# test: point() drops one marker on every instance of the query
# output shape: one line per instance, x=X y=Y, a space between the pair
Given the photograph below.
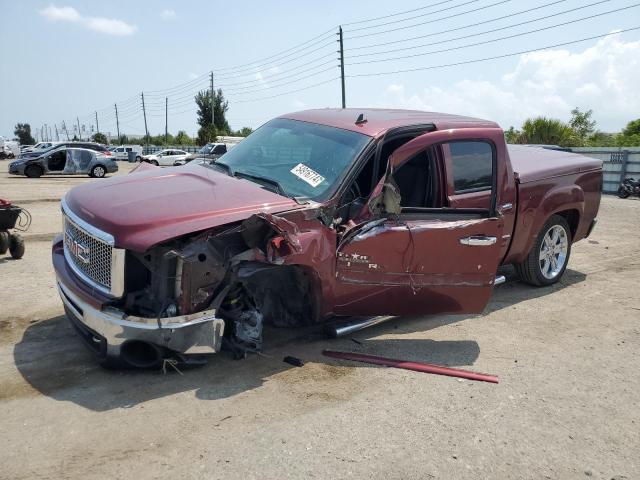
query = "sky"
x=64 y=61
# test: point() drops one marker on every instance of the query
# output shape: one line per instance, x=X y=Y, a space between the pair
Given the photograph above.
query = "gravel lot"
x=566 y=407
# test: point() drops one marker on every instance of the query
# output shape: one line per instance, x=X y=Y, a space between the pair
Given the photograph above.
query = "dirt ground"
x=567 y=405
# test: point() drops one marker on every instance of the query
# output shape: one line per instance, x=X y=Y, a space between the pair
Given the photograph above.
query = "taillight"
x=107 y=153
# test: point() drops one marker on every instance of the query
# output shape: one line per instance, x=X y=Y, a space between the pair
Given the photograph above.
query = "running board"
x=338 y=330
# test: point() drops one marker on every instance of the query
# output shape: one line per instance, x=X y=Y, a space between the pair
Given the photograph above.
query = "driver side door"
x=420 y=259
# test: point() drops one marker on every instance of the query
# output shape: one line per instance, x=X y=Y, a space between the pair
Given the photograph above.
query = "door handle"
x=478 y=241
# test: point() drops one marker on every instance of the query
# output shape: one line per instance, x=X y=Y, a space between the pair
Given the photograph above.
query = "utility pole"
x=64 y=129
x=213 y=102
x=344 y=101
x=97 y=124
x=144 y=113
x=117 y=121
x=79 y=131
x=166 y=119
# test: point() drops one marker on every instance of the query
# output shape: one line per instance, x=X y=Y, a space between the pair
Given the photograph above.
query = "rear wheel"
x=4 y=242
x=98 y=171
x=549 y=254
x=622 y=192
x=16 y=246
x=33 y=171
x=154 y=162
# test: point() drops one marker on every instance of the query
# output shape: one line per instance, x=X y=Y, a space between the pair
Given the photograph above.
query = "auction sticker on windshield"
x=307 y=174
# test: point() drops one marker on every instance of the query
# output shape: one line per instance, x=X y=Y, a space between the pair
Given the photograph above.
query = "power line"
x=414 y=17
x=497 y=57
x=493 y=40
x=287 y=93
x=469 y=35
x=428 y=21
x=396 y=14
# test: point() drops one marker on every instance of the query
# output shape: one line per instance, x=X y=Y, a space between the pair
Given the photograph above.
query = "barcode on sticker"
x=307 y=174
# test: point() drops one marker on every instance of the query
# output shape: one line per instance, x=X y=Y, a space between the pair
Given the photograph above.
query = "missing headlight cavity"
x=240 y=272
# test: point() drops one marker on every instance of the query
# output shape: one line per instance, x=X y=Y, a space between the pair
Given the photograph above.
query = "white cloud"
x=56 y=14
x=168 y=14
x=110 y=26
x=602 y=77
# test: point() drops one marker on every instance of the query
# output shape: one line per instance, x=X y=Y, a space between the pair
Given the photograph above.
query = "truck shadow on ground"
x=55 y=363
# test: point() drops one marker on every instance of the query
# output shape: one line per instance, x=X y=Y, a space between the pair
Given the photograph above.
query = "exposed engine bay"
x=237 y=271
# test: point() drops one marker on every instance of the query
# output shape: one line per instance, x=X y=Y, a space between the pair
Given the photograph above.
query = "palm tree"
x=546 y=131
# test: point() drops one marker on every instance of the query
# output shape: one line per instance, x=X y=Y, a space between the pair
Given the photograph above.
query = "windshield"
x=206 y=149
x=303 y=159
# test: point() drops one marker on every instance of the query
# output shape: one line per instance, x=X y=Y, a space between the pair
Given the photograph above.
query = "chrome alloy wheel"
x=553 y=252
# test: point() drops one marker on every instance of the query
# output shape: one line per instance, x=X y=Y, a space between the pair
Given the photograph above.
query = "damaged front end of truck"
x=199 y=293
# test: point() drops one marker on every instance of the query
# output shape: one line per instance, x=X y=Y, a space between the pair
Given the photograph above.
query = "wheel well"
x=573 y=219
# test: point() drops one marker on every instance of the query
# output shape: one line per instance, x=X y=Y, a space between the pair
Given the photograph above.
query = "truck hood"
x=152 y=206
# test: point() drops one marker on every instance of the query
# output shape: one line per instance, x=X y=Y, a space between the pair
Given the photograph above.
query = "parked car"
x=316 y=214
x=122 y=152
x=165 y=158
x=210 y=150
x=39 y=147
x=65 y=161
x=88 y=145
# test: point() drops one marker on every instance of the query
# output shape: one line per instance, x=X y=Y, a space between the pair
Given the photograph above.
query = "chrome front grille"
x=88 y=254
x=91 y=254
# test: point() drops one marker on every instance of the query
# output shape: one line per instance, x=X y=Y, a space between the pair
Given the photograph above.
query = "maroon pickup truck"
x=315 y=215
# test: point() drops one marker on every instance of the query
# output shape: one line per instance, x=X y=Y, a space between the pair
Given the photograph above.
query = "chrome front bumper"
x=105 y=331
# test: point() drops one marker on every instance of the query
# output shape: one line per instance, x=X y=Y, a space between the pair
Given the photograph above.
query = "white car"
x=165 y=158
x=122 y=152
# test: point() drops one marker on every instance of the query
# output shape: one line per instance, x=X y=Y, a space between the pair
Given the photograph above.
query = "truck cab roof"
x=376 y=121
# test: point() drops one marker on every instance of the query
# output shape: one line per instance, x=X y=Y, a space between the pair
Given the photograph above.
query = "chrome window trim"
x=117 y=255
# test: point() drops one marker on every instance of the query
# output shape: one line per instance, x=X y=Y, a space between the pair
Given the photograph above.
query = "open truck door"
x=414 y=254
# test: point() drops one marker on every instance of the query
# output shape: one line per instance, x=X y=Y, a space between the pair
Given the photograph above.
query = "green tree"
x=207 y=134
x=183 y=139
x=221 y=107
x=99 y=138
x=547 y=131
x=512 y=135
x=244 y=132
x=632 y=128
x=23 y=132
x=582 y=125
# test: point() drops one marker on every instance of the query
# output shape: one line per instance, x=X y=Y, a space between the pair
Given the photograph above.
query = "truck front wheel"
x=549 y=255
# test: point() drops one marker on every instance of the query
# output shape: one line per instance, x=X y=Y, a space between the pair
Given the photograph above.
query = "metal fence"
x=617 y=164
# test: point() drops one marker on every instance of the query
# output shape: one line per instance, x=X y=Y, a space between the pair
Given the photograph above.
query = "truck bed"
x=531 y=164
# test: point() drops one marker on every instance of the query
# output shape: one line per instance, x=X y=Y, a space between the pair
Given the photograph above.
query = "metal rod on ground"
x=415 y=366
x=146 y=130
x=344 y=101
x=117 y=122
x=337 y=330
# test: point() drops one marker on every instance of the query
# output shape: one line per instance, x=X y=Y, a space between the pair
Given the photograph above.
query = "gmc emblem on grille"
x=78 y=250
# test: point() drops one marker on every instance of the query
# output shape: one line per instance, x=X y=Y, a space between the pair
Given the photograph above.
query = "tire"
x=16 y=246
x=622 y=192
x=154 y=162
x=138 y=158
x=33 y=171
x=4 y=242
x=542 y=272
x=98 y=171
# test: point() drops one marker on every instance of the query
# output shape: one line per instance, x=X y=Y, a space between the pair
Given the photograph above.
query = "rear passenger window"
x=472 y=165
